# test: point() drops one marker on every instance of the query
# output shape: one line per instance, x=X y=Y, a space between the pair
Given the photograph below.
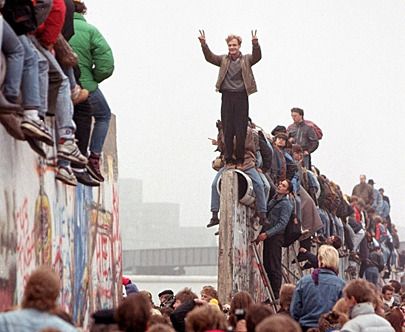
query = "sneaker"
x=93 y=167
x=68 y=150
x=79 y=95
x=65 y=175
x=36 y=146
x=84 y=177
x=36 y=128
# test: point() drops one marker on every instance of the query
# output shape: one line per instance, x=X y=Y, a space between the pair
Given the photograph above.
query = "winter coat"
x=364 y=319
x=27 y=320
x=48 y=32
x=223 y=61
x=178 y=316
x=310 y=301
x=280 y=210
x=311 y=219
x=364 y=191
x=96 y=60
x=304 y=135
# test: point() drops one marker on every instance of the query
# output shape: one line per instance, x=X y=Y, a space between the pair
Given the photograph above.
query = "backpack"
x=317 y=130
x=20 y=15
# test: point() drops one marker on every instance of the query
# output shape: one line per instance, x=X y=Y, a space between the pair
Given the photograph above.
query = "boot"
x=93 y=167
x=214 y=220
x=6 y=107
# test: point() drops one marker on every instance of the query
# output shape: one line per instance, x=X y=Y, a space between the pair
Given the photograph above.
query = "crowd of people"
x=288 y=188
x=319 y=302
x=55 y=61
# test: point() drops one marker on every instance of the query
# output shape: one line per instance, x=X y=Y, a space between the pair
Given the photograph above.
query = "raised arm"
x=209 y=56
x=256 y=50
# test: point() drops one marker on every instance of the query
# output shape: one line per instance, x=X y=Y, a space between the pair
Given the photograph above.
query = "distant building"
x=156 y=225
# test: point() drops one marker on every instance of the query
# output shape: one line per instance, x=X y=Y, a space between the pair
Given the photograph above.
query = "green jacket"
x=96 y=60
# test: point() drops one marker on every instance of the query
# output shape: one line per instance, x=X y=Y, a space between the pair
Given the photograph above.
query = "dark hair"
x=361 y=290
x=297 y=110
x=290 y=186
x=134 y=313
x=276 y=323
x=336 y=242
x=80 y=7
x=241 y=300
x=396 y=285
x=257 y=313
x=185 y=295
x=396 y=318
x=387 y=288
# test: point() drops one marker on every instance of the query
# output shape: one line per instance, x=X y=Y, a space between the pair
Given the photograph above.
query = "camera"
x=239 y=314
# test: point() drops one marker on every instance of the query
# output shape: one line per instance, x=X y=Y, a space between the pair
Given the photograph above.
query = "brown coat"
x=246 y=61
x=251 y=146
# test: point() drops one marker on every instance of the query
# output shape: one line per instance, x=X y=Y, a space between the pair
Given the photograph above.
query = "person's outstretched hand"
x=201 y=37
x=255 y=40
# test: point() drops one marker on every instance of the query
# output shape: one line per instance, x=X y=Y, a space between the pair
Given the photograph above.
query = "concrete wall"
x=73 y=229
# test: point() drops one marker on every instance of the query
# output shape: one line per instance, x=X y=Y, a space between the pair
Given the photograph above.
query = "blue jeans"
x=215 y=199
x=325 y=221
x=97 y=106
x=14 y=52
x=258 y=187
x=43 y=68
x=59 y=96
x=30 y=78
x=371 y=274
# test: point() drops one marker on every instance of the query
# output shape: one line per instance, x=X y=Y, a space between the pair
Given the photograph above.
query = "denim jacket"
x=280 y=210
x=28 y=320
x=310 y=301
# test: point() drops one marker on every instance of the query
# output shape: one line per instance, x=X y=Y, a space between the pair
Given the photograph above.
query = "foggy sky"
x=341 y=61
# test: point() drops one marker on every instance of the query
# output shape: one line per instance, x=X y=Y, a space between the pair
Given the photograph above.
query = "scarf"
x=315 y=274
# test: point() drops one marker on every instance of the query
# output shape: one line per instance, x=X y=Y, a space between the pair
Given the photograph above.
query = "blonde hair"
x=328 y=257
x=286 y=294
x=230 y=37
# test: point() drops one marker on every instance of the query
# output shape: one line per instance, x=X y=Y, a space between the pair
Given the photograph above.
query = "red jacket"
x=48 y=32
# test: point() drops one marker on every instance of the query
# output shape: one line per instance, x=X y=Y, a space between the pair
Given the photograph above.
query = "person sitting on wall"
x=248 y=167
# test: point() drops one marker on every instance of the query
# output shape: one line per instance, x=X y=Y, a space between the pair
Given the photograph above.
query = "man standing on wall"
x=302 y=134
x=236 y=82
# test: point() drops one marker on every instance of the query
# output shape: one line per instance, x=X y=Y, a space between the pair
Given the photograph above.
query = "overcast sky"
x=343 y=62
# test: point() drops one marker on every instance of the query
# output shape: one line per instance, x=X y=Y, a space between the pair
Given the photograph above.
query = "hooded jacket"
x=96 y=61
x=363 y=318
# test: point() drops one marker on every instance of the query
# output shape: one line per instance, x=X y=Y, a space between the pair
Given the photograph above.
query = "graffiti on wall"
x=74 y=230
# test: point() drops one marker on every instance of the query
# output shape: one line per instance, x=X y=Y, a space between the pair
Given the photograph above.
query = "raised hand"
x=201 y=37
x=255 y=40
